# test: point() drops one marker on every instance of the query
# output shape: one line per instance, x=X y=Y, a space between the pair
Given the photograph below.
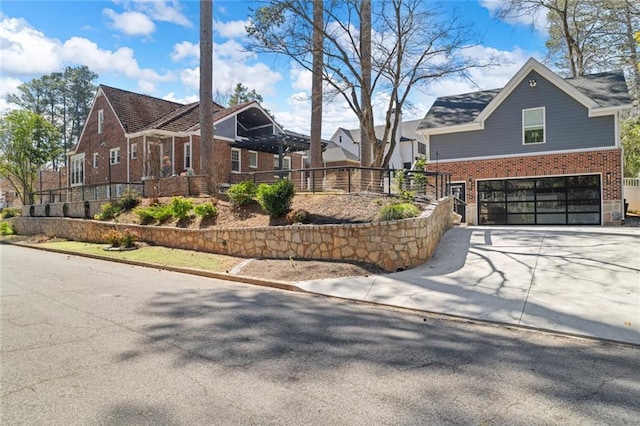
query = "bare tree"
x=286 y=27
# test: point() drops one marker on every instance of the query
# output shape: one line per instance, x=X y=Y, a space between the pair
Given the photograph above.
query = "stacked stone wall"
x=392 y=245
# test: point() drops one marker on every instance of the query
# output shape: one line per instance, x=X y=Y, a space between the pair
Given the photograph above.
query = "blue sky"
x=151 y=46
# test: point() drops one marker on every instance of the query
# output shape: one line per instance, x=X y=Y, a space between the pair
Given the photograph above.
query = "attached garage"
x=561 y=200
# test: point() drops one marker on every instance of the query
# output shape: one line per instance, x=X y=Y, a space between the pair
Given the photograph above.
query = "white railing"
x=631 y=181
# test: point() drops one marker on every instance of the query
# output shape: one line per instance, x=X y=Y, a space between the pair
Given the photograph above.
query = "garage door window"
x=572 y=200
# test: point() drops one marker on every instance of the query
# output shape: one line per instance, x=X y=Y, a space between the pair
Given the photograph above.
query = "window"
x=134 y=151
x=406 y=165
x=114 y=156
x=422 y=148
x=100 y=121
x=286 y=165
x=77 y=169
x=95 y=160
x=235 y=160
x=187 y=155
x=253 y=159
x=533 y=125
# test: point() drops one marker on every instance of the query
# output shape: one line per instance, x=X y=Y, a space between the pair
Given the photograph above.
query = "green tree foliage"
x=630 y=141
x=241 y=94
x=63 y=98
x=27 y=142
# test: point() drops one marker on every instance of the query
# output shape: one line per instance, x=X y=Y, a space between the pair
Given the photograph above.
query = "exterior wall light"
x=532 y=83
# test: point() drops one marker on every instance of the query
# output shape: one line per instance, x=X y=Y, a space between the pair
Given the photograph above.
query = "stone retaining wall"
x=390 y=245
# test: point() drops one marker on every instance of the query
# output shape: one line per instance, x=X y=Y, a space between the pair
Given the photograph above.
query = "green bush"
x=128 y=239
x=112 y=238
x=180 y=207
x=6 y=228
x=108 y=211
x=242 y=193
x=130 y=199
x=276 y=199
x=152 y=214
x=398 y=211
x=10 y=212
x=206 y=210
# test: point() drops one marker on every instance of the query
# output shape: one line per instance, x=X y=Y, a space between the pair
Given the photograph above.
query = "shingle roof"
x=136 y=111
x=332 y=155
x=607 y=89
x=408 y=131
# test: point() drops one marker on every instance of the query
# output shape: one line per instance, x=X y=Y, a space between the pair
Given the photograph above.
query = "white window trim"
x=114 y=160
x=187 y=147
x=100 y=121
x=94 y=161
x=77 y=162
x=544 y=126
x=239 y=160
x=134 y=151
x=253 y=153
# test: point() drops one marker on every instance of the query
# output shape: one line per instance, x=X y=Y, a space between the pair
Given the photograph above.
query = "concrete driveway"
x=583 y=281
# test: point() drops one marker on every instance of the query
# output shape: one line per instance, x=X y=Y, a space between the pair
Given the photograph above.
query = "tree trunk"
x=316 y=91
x=206 y=92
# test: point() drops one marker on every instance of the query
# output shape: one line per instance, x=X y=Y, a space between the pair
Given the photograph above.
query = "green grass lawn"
x=160 y=256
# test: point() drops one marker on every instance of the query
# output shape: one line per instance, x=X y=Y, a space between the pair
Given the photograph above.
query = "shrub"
x=10 y=212
x=65 y=210
x=144 y=214
x=130 y=199
x=128 y=239
x=180 y=207
x=242 y=193
x=276 y=199
x=404 y=194
x=6 y=228
x=47 y=210
x=108 y=211
x=206 y=210
x=120 y=239
x=298 y=216
x=113 y=237
x=398 y=211
x=154 y=213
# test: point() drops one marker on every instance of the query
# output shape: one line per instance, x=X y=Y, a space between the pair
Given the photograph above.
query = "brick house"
x=131 y=138
x=542 y=150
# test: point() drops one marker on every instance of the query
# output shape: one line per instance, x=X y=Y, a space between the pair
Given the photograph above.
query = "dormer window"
x=100 y=121
x=533 y=130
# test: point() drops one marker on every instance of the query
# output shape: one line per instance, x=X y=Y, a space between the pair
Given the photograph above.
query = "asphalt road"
x=90 y=342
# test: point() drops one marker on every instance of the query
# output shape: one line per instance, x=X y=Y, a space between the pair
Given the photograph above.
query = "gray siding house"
x=543 y=150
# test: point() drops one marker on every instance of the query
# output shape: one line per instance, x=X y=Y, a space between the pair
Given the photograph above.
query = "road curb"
x=281 y=285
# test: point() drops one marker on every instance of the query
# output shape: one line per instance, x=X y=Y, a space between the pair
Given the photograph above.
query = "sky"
x=151 y=47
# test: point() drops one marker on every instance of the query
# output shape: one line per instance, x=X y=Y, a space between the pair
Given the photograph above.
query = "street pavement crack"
x=533 y=275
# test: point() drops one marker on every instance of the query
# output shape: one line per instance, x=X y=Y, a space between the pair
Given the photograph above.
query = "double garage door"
x=565 y=200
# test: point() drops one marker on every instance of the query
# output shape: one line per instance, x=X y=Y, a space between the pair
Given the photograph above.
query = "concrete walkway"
x=583 y=281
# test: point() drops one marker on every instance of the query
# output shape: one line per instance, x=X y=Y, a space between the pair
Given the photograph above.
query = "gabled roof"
x=136 y=111
x=408 y=130
x=601 y=94
x=334 y=153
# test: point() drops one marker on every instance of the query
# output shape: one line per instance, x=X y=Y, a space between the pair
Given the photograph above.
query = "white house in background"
x=410 y=146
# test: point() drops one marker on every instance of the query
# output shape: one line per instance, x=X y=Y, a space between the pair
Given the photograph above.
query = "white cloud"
x=130 y=23
x=166 y=11
x=79 y=50
x=301 y=79
x=190 y=78
x=230 y=29
x=185 y=50
x=537 y=19
x=171 y=96
x=26 y=51
x=8 y=85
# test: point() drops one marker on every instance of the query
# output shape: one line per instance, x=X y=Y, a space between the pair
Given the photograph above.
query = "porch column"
x=144 y=156
x=128 y=160
x=173 y=155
